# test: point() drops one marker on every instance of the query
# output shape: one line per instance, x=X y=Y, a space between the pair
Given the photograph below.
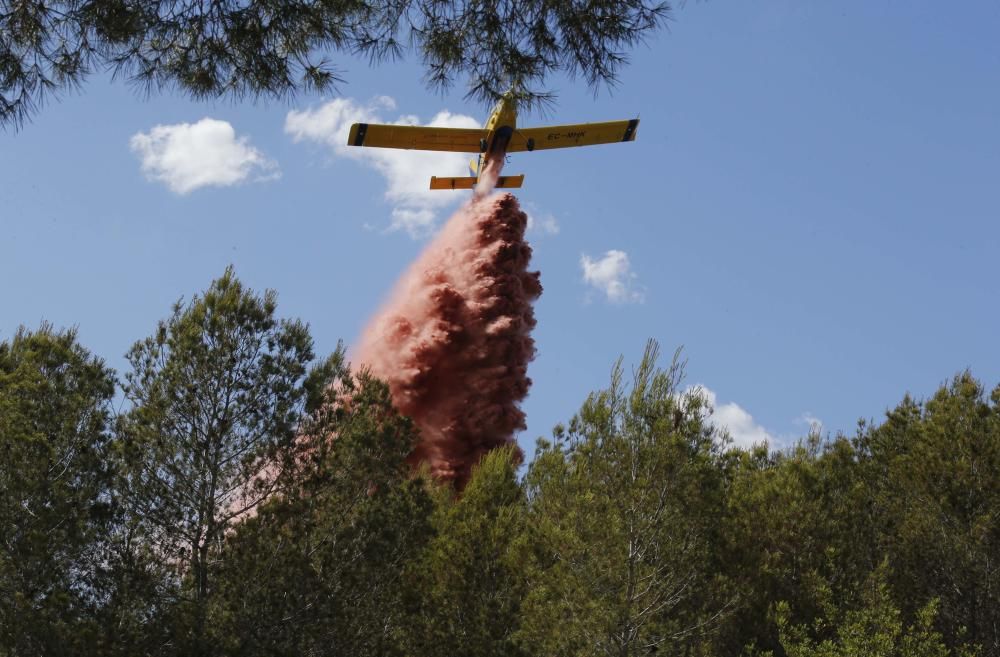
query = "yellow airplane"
x=494 y=140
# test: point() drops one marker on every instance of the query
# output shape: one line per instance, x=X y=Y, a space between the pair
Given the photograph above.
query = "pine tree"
x=795 y=517
x=934 y=469
x=622 y=508
x=318 y=570
x=216 y=394
x=466 y=587
x=874 y=629
x=278 y=47
x=55 y=491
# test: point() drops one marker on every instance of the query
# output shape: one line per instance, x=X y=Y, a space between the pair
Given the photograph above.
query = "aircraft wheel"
x=482 y=145
x=531 y=143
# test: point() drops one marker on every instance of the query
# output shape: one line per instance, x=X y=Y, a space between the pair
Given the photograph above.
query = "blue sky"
x=811 y=208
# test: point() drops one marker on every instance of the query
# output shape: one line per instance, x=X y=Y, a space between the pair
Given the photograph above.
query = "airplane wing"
x=459 y=140
x=566 y=136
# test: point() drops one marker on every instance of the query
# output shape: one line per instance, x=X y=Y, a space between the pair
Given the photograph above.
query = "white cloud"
x=612 y=275
x=407 y=173
x=187 y=156
x=545 y=223
x=733 y=418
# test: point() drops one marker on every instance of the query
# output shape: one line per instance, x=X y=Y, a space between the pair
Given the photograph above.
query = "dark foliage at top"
x=274 y=48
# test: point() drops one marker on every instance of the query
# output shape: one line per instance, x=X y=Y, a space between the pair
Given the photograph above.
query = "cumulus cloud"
x=733 y=418
x=612 y=275
x=407 y=173
x=186 y=156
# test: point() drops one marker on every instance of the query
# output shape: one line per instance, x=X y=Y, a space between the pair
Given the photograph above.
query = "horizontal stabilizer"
x=468 y=182
x=510 y=182
x=463 y=182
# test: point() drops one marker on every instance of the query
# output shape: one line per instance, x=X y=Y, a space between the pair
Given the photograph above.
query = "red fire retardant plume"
x=454 y=341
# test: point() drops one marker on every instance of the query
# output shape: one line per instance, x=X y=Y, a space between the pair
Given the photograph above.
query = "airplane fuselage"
x=501 y=126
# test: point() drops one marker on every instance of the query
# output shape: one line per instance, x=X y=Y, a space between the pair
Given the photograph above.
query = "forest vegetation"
x=234 y=494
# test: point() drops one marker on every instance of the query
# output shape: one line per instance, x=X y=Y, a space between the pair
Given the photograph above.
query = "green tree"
x=622 y=507
x=934 y=469
x=794 y=518
x=467 y=586
x=55 y=504
x=874 y=629
x=137 y=613
x=277 y=47
x=318 y=570
x=216 y=395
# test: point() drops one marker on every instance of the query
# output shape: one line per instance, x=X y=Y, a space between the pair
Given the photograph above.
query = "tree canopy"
x=249 y=498
x=217 y=394
x=274 y=48
x=55 y=482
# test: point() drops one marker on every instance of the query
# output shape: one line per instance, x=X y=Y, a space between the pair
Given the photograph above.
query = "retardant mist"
x=454 y=341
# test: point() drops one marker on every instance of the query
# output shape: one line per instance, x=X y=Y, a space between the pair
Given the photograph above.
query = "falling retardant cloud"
x=733 y=418
x=407 y=173
x=454 y=341
x=186 y=156
x=612 y=275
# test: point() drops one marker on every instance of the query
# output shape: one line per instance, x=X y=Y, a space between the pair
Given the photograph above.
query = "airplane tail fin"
x=468 y=182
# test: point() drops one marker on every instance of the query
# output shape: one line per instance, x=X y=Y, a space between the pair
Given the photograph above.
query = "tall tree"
x=318 y=570
x=278 y=47
x=796 y=518
x=54 y=491
x=467 y=586
x=216 y=394
x=934 y=469
x=623 y=505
